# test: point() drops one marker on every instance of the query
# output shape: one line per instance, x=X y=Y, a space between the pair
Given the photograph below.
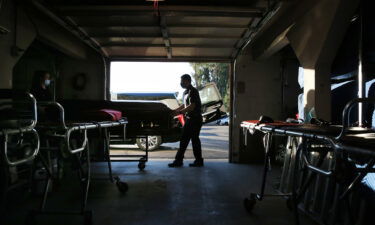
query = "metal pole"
x=361 y=74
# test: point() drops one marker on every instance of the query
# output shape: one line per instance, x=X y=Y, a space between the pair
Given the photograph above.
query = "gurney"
x=69 y=141
x=344 y=144
x=141 y=118
x=268 y=129
x=19 y=140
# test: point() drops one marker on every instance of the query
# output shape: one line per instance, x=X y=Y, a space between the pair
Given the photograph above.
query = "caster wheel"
x=122 y=186
x=30 y=219
x=141 y=166
x=88 y=218
x=249 y=204
x=289 y=204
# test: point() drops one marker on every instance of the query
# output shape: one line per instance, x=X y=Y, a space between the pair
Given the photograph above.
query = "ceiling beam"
x=66 y=24
x=166 y=14
x=124 y=10
x=182 y=36
x=174 y=59
x=255 y=25
x=84 y=34
x=146 y=45
x=246 y=35
x=162 y=8
x=134 y=25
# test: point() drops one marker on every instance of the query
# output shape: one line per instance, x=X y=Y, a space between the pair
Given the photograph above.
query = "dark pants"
x=191 y=132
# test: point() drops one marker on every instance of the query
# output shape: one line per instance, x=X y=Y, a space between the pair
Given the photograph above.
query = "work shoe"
x=197 y=163
x=176 y=164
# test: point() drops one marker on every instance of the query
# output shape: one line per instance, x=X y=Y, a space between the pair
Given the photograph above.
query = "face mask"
x=47 y=82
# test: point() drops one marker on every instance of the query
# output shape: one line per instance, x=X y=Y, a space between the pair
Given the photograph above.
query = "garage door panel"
x=136 y=51
x=122 y=31
x=233 y=32
x=126 y=40
x=204 y=41
x=196 y=52
x=181 y=29
x=96 y=20
x=213 y=21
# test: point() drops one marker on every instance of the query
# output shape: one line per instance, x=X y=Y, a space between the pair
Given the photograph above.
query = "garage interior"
x=299 y=60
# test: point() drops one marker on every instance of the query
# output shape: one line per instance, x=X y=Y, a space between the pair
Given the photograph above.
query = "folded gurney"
x=68 y=140
x=19 y=141
x=343 y=144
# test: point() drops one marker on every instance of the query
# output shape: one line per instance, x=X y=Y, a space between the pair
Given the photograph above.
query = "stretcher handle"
x=67 y=140
x=316 y=169
x=10 y=94
x=346 y=113
x=61 y=111
x=26 y=159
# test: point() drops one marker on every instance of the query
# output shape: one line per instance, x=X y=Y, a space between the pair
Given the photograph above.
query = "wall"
x=94 y=70
x=314 y=30
x=291 y=88
x=258 y=91
x=74 y=56
x=36 y=57
x=21 y=35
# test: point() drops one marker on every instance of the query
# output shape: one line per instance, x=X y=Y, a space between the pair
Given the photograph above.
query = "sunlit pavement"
x=215 y=145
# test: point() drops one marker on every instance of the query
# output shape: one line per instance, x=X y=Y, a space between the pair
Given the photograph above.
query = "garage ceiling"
x=174 y=30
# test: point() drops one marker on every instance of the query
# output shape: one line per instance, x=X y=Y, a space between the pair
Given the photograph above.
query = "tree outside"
x=217 y=73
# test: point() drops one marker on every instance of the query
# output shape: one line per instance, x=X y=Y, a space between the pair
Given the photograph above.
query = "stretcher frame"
x=28 y=128
x=339 y=148
x=5 y=132
x=143 y=132
x=142 y=158
x=250 y=202
x=62 y=131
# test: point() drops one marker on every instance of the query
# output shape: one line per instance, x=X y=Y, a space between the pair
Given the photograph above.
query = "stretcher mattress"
x=101 y=115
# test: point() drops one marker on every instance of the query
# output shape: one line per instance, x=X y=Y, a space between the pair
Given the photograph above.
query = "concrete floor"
x=162 y=195
x=214 y=139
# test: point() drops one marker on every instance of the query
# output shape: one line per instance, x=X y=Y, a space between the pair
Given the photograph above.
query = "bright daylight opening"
x=147 y=77
x=160 y=81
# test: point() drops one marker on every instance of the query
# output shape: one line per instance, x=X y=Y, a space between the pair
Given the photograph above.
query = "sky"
x=155 y=77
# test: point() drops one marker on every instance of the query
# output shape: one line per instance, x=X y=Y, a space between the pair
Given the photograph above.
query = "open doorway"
x=160 y=82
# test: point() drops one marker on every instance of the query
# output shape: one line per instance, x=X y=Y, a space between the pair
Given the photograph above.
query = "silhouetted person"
x=40 y=86
x=40 y=90
x=193 y=124
x=370 y=107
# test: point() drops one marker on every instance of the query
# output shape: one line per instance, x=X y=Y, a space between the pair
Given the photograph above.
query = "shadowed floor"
x=161 y=195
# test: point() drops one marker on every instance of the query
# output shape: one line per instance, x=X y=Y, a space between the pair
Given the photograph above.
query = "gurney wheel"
x=141 y=166
x=88 y=218
x=249 y=204
x=122 y=186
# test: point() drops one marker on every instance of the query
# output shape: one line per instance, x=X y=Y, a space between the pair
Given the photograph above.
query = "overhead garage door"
x=167 y=30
